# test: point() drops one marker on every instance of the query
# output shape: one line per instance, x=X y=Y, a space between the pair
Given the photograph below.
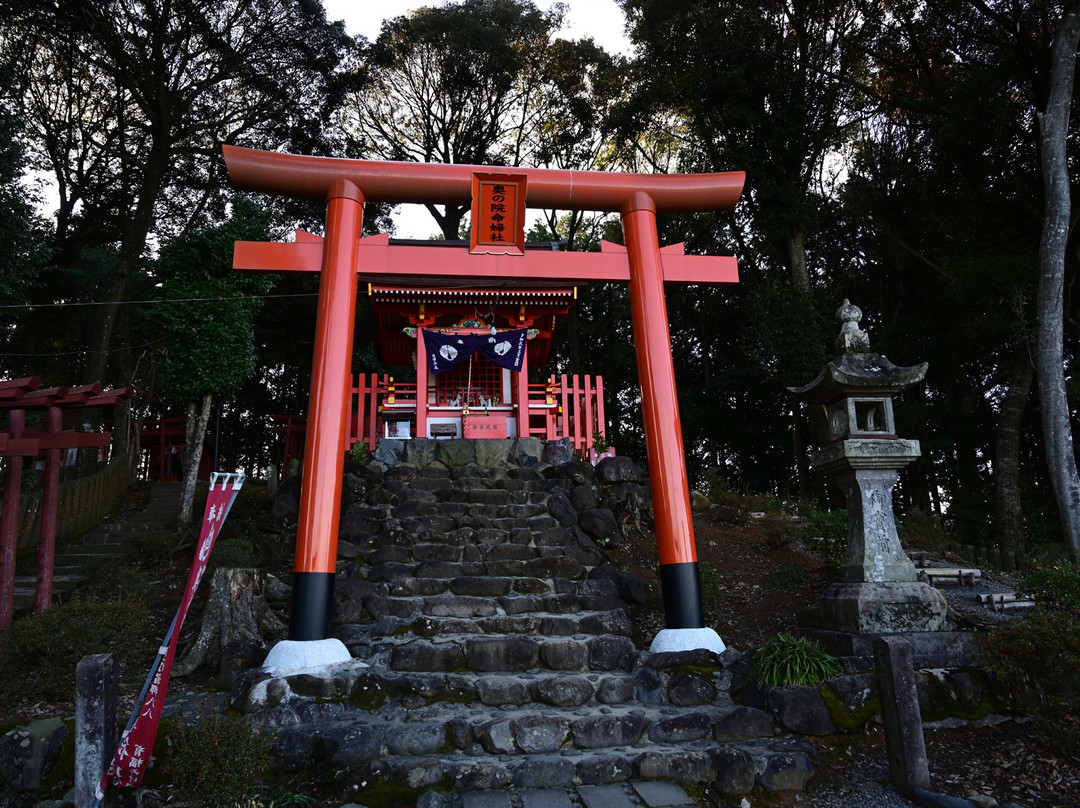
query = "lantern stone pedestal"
x=879 y=592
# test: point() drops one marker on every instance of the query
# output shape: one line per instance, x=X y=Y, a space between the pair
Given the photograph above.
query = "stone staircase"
x=493 y=647
x=109 y=541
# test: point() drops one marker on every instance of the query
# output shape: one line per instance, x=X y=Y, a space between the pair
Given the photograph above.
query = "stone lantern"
x=852 y=408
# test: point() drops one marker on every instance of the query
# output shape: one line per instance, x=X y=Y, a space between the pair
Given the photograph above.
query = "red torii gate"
x=16 y=397
x=344 y=257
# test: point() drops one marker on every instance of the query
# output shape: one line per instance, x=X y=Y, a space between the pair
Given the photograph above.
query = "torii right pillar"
x=684 y=618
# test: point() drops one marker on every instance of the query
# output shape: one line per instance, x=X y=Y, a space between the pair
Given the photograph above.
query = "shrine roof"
x=510 y=293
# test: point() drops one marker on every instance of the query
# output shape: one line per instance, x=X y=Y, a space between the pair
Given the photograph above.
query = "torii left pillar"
x=328 y=410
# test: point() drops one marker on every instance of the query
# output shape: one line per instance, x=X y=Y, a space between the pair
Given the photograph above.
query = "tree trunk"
x=237 y=623
x=1057 y=431
x=449 y=220
x=132 y=244
x=795 y=243
x=194 y=439
x=1009 y=512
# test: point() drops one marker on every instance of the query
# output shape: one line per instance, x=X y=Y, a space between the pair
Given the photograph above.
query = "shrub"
x=1055 y=586
x=777 y=533
x=789 y=660
x=923 y=530
x=360 y=453
x=825 y=534
x=38 y=656
x=233 y=552
x=218 y=762
x=1037 y=659
x=787 y=576
x=154 y=546
x=106 y=579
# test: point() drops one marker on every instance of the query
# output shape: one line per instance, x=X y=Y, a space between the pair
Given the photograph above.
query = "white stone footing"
x=687 y=639
x=294 y=655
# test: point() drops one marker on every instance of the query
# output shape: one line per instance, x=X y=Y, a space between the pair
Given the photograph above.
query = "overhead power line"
x=153 y=302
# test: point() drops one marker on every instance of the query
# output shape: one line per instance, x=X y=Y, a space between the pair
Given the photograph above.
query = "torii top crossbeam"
x=346 y=185
x=441 y=183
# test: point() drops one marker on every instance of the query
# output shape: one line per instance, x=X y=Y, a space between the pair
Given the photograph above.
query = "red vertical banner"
x=498 y=214
x=132 y=756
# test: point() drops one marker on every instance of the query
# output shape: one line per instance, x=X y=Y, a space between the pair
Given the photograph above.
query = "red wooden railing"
x=561 y=407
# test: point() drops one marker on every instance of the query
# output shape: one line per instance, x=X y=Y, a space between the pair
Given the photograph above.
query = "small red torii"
x=343 y=257
x=16 y=397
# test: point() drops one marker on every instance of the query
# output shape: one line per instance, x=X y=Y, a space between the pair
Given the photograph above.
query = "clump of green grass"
x=789 y=660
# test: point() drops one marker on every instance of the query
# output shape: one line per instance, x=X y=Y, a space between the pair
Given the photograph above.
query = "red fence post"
x=9 y=523
x=601 y=418
x=50 y=497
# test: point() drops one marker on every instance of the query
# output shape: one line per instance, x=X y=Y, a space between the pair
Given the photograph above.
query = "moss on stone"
x=845 y=719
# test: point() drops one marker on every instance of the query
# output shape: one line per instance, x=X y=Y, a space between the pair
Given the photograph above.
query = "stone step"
x=109 y=532
x=603 y=709
x=391 y=623
x=500 y=652
x=91 y=553
x=490 y=545
x=27 y=584
x=732 y=769
x=398 y=544
x=553 y=566
x=490 y=724
x=600 y=594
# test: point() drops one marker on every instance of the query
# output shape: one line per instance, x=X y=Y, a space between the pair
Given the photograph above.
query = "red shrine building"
x=473 y=346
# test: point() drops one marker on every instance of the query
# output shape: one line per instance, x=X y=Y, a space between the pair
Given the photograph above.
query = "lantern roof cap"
x=857 y=370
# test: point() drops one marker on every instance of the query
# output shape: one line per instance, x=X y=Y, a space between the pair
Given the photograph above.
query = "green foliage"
x=787 y=576
x=108 y=580
x=283 y=798
x=789 y=660
x=777 y=532
x=38 y=656
x=233 y=552
x=360 y=453
x=1055 y=587
x=923 y=531
x=207 y=328
x=825 y=534
x=154 y=545
x=1037 y=659
x=22 y=248
x=218 y=762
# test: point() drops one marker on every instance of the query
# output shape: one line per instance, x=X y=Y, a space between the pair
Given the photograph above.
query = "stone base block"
x=882 y=608
x=687 y=639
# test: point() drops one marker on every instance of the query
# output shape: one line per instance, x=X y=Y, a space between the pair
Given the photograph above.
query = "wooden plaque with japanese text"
x=498 y=214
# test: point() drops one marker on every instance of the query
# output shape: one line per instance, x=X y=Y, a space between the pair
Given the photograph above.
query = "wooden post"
x=50 y=496
x=908 y=767
x=422 y=387
x=523 y=396
x=9 y=523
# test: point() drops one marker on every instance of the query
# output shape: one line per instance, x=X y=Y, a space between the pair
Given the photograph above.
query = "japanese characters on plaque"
x=498 y=214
